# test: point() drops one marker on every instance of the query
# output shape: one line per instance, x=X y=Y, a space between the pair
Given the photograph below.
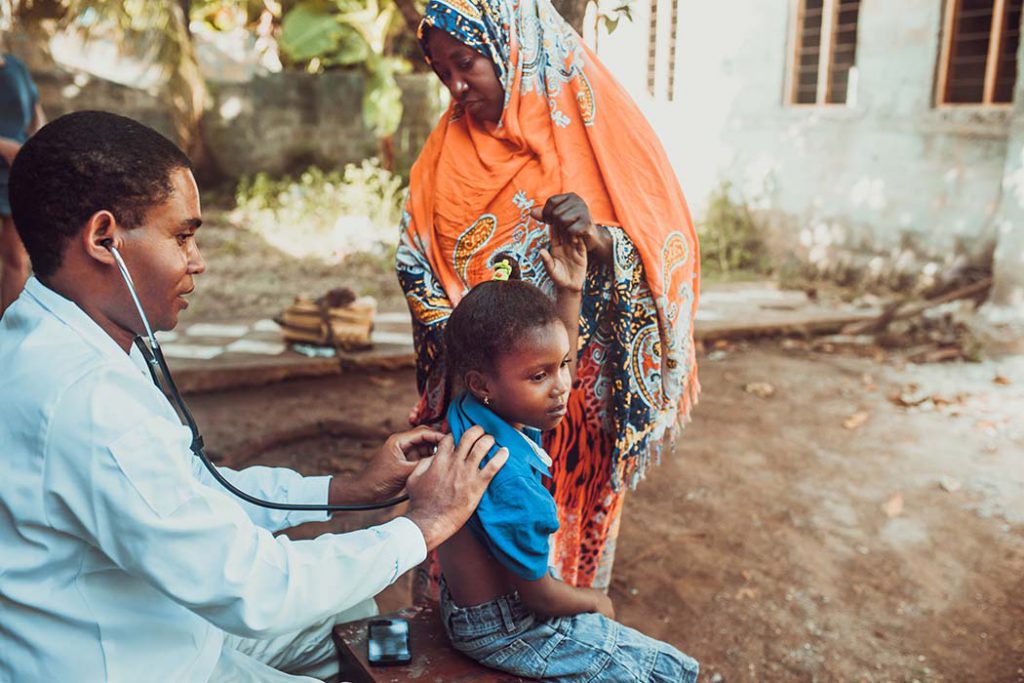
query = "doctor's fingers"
x=418 y=443
x=493 y=465
x=421 y=468
x=473 y=438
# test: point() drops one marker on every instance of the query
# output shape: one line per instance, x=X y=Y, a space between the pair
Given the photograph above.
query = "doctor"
x=122 y=559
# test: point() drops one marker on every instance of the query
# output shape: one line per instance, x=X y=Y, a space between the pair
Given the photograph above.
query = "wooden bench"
x=434 y=660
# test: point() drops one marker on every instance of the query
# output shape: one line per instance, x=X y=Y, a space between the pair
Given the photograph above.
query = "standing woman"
x=540 y=137
x=20 y=117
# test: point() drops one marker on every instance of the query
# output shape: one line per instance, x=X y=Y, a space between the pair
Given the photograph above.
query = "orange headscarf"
x=567 y=126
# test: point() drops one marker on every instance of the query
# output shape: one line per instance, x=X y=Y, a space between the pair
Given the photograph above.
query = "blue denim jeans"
x=503 y=634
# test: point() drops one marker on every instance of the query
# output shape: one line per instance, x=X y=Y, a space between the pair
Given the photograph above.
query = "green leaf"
x=382 y=103
x=309 y=30
x=352 y=48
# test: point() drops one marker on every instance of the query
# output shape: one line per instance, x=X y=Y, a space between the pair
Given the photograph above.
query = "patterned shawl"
x=566 y=126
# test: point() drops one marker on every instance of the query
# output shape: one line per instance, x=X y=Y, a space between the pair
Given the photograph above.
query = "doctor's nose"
x=196 y=262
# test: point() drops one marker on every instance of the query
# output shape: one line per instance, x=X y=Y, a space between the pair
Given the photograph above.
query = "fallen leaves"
x=949 y=484
x=911 y=396
x=856 y=420
x=760 y=389
x=746 y=594
x=894 y=506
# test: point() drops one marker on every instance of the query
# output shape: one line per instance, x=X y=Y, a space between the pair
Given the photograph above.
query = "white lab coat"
x=120 y=558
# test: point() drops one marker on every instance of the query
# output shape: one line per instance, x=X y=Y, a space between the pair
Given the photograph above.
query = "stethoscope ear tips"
x=107 y=243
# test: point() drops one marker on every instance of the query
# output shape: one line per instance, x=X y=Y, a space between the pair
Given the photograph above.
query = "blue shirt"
x=517 y=514
x=18 y=99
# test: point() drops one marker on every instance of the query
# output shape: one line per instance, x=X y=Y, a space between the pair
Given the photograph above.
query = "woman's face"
x=468 y=75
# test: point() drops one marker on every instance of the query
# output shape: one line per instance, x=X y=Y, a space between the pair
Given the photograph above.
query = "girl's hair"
x=489 y=321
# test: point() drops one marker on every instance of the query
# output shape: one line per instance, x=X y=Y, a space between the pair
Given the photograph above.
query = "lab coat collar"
x=69 y=313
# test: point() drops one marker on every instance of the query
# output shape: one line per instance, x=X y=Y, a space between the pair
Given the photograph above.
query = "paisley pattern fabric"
x=567 y=126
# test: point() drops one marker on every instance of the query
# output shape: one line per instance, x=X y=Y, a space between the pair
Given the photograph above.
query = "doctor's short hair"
x=490 y=321
x=82 y=163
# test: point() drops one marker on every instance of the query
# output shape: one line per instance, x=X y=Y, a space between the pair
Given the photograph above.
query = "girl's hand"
x=566 y=261
x=603 y=604
x=569 y=215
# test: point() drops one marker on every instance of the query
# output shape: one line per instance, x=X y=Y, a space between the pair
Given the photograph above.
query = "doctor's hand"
x=445 y=489
x=386 y=473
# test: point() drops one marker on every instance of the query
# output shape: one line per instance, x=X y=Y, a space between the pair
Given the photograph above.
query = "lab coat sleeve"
x=119 y=475
x=278 y=484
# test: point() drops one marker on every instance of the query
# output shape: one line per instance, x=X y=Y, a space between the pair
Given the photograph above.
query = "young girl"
x=511 y=351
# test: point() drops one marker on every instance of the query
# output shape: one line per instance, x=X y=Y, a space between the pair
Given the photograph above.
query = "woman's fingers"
x=569 y=219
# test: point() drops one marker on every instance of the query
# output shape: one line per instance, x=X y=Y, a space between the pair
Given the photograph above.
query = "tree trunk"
x=411 y=14
x=188 y=95
x=572 y=11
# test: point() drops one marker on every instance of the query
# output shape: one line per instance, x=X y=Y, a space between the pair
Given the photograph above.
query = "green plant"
x=611 y=18
x=327 y=215
x=153 y=32
x=730 y=241
x=322 y=33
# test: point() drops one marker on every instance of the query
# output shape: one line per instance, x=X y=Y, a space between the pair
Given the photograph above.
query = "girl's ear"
x=478 y=385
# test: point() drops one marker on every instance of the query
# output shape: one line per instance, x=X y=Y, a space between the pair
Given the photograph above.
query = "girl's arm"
x=567 y=301
x=550 y=597
x=566 y=262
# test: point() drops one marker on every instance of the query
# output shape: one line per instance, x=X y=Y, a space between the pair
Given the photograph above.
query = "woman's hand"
x=569 y=216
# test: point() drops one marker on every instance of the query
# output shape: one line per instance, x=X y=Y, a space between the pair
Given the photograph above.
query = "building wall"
x=273 y=123
x=884 y=186
x=1001 y=322
x=281 y=120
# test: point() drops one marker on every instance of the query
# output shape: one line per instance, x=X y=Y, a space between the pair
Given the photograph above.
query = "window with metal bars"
x=669 y=74
x=978 y=64
x=825 y=51
x=652 y=46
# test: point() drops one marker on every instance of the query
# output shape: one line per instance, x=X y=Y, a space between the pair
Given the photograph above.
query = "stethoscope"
x=156 y=363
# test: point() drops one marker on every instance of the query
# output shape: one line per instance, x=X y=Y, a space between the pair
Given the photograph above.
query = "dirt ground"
x=824 y=517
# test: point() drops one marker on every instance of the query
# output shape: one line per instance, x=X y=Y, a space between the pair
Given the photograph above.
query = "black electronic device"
x=388 y=642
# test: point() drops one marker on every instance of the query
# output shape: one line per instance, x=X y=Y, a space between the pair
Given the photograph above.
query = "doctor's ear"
x=101 y=232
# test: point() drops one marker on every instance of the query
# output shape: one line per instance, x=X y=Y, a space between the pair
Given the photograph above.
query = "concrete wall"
x=272 y=123
x=1001 y=322
x=885 y=186
x=277 y=120
x=62 y=92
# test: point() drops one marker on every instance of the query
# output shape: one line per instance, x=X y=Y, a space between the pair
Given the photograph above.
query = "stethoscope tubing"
x=155 y=359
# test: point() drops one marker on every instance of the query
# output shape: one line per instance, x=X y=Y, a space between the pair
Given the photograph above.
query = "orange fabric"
x=588 y=506
x=584 y=134
x=567 y=126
